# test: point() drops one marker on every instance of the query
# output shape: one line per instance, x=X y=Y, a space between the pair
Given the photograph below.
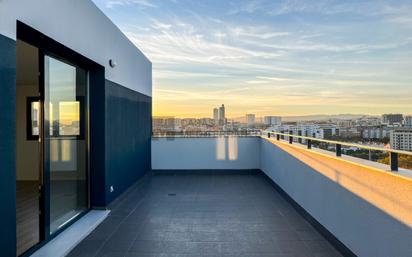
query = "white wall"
x=81 y=26
x=368 y=209
x=206 y=153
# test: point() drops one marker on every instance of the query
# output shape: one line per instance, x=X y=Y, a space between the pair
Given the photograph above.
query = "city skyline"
x=273 y=58
x=214 y=114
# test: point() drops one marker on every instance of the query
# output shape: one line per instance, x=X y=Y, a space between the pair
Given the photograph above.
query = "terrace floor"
x=204 y=215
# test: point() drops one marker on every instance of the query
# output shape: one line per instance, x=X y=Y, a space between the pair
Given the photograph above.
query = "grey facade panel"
x=8 y=146
x=128 y=138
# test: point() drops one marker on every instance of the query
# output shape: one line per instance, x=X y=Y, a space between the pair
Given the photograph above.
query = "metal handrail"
x=393 y=152
x=333 y=142
x=204 y=133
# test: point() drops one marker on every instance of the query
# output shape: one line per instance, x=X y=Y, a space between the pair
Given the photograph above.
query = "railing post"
x=394 y=161
x=338 y=150
x=290 y=139
x=268 y=134
x=309 y=144
x=300 y=139
x=277 y=137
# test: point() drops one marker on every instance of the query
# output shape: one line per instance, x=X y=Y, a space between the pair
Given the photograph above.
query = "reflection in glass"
x=220 y=148
x=233 y=148
x=69 y=118
x=35 y=116
x=65 y=149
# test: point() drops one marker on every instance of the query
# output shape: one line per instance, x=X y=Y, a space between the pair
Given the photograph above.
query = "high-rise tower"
x=222 y=118
x=216 y=115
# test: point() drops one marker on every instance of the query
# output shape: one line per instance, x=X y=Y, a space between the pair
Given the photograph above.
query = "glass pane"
x=65 y=146
x=69 y=120
x=35 y=118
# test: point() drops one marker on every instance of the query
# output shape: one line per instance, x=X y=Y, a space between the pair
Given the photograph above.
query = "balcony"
x=256 y=196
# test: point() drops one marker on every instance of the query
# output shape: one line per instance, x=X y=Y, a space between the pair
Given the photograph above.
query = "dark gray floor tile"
x=147 y=246
x=292 y=246
x=204 y=215
x=111 y=254
x=319 y=247
x=311 y=234
x=86 y=248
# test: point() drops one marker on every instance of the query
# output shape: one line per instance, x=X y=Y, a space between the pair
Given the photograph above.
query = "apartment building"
x=76 y=118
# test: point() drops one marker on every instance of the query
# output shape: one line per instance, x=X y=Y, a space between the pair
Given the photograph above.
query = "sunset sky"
x=280 y=57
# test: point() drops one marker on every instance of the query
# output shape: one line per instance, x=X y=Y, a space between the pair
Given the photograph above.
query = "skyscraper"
x=222 y=118
x=216 y=115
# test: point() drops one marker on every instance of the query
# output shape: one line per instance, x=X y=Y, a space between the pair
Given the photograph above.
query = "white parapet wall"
x=209 y=153
x=368 y=209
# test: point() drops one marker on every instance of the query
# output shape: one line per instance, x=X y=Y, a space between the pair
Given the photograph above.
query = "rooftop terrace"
x=241 y=195
x=204 y=215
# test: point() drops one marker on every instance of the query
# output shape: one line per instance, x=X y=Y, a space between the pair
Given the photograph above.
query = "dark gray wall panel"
x=97 y=90
x=8 y=146
x=128 y=138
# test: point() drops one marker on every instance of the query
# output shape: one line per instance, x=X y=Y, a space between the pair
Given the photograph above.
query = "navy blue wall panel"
x=7 y=146
x=97 y=134
x=128 y=138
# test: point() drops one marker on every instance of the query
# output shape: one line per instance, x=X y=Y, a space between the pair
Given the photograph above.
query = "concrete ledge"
x=73 y=235
x=380 y=167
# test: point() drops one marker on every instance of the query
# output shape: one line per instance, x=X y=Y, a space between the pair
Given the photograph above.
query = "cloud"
x=142 y=3
x=267 y=57
x=402 y=20
x=257 y=32
x=178 y=42
x=160 y=26
x=248 y=7
x=323 y=7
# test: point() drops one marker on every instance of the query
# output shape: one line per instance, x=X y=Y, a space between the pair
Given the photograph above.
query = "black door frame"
x=96 y=94
x=45 y=147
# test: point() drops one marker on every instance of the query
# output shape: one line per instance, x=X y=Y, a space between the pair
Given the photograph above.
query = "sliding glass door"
x=65 y=151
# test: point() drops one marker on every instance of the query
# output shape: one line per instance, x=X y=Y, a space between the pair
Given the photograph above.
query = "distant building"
x=349 y=132
x=216 y=115
x=368 y=121
x=250 y=119
x=378 y=132
x=272 y=120
x=233 y=125
x=222 y=117
x=328 y=132
x=206 y=121
x=166 y=124
x=308 y=130
x=401 y=139
x=190 y=122
x=408 y=121
x=392 y=119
